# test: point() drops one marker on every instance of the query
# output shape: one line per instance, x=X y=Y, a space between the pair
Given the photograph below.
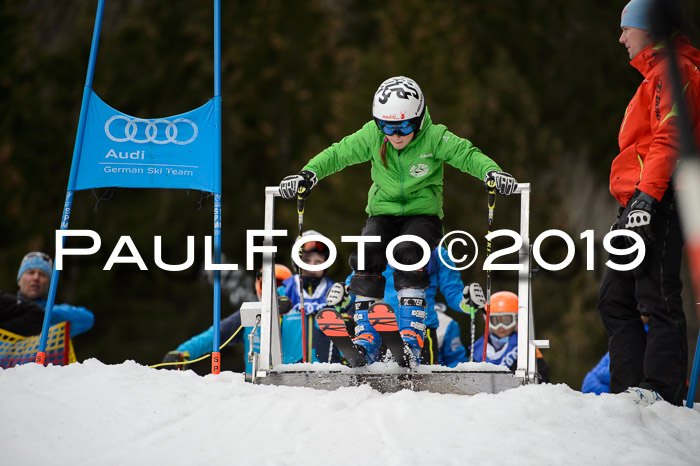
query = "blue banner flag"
x=128 y=152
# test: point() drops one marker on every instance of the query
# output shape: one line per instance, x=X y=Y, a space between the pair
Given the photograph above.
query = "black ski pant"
x=657 y=360
x=368 y=281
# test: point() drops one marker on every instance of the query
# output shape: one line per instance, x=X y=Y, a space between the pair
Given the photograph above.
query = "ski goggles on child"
x=504 y=320
x=403 y=129
x=314 y=246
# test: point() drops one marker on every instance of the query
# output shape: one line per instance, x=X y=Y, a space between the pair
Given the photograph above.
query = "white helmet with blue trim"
x=399 y=99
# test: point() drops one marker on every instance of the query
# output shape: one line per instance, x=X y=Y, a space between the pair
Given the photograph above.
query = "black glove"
x=505 y=183
x=284 y=305
x=176 y=356
x=618 y=242
x=299 y=184
x=337 y=294
x=637 y=216
x=472 y=298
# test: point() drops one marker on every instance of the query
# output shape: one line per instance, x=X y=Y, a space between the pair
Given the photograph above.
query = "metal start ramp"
x=465 y=379
x=389 y=378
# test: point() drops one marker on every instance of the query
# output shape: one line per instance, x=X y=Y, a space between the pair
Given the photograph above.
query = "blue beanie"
x=636 y=14
x=36 y=260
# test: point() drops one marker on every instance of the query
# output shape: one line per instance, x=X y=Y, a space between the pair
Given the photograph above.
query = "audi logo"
x=151 y=130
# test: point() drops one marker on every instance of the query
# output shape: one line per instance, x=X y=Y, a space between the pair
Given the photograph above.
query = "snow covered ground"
x=96 y=414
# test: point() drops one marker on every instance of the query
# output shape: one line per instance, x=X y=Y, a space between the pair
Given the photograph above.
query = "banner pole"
x=41 y=354
x=216 y=355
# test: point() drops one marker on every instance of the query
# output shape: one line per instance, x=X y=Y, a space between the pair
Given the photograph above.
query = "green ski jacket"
x=412 y=184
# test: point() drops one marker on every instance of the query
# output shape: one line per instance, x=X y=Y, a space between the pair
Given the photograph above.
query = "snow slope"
x=96 y=414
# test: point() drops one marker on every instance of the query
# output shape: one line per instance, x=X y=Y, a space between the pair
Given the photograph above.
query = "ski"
x=383 y=319
x=333 y=326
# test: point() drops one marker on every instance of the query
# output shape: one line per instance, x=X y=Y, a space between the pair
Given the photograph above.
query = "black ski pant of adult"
x=368 y=281
x=658 y=360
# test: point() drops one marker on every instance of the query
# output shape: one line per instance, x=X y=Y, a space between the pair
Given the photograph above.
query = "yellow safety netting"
x=16 y=349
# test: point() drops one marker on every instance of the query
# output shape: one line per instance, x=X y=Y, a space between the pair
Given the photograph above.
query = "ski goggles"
x=41 y=255
x=314 y=246
x=504 y=320
x=403 y=129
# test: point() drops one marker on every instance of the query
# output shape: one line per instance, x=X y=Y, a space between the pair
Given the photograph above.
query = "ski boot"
x=412 y=304
x=366 y=339
x=383 y=319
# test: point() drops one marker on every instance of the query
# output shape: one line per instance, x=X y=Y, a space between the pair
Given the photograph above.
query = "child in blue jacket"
x=502 y=345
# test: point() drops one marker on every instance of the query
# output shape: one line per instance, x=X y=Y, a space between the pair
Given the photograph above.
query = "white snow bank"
x=92 y=413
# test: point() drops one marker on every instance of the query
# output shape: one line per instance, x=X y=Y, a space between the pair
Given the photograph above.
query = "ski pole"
x=492 y=203
x=300 y=211
x=685 y=178
x=690 y=399
x=472 y=313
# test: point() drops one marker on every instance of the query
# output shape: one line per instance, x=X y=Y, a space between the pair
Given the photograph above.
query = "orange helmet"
x=281 y=274
x=504 y=311
x=504 y=301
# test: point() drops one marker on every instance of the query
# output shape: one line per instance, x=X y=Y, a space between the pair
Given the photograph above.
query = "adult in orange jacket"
x=653 y=367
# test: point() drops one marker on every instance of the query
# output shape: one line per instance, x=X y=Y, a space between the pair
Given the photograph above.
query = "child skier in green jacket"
x=407 y=152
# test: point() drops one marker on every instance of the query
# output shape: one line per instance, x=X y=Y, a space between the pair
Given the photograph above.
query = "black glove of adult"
x=505 y=183
x=284 y=305
x=337 y=294
x=299 y=184
x=472 y=298
x=176 y=356
x=637 y=216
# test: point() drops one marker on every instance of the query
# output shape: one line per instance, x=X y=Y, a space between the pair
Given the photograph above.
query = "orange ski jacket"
x=649 y=139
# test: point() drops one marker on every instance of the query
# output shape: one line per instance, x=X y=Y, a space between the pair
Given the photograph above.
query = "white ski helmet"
x=399 y=99
x=314 y=246
x=311 y=246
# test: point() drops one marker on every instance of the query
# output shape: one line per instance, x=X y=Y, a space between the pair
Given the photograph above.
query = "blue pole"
x=690 y=399
x=217 y=49
x=216 y=356
x=77 y=148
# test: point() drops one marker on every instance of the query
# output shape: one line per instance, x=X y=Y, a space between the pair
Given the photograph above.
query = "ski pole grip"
x=300 y=205
x=492 y=192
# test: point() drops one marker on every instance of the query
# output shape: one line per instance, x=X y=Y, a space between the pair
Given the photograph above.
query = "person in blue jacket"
x=451 y=350
x=598 y=379
x=201 y=344
x=33 y=280
x=442 y=277
x=315 y=288
x=502 y=346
